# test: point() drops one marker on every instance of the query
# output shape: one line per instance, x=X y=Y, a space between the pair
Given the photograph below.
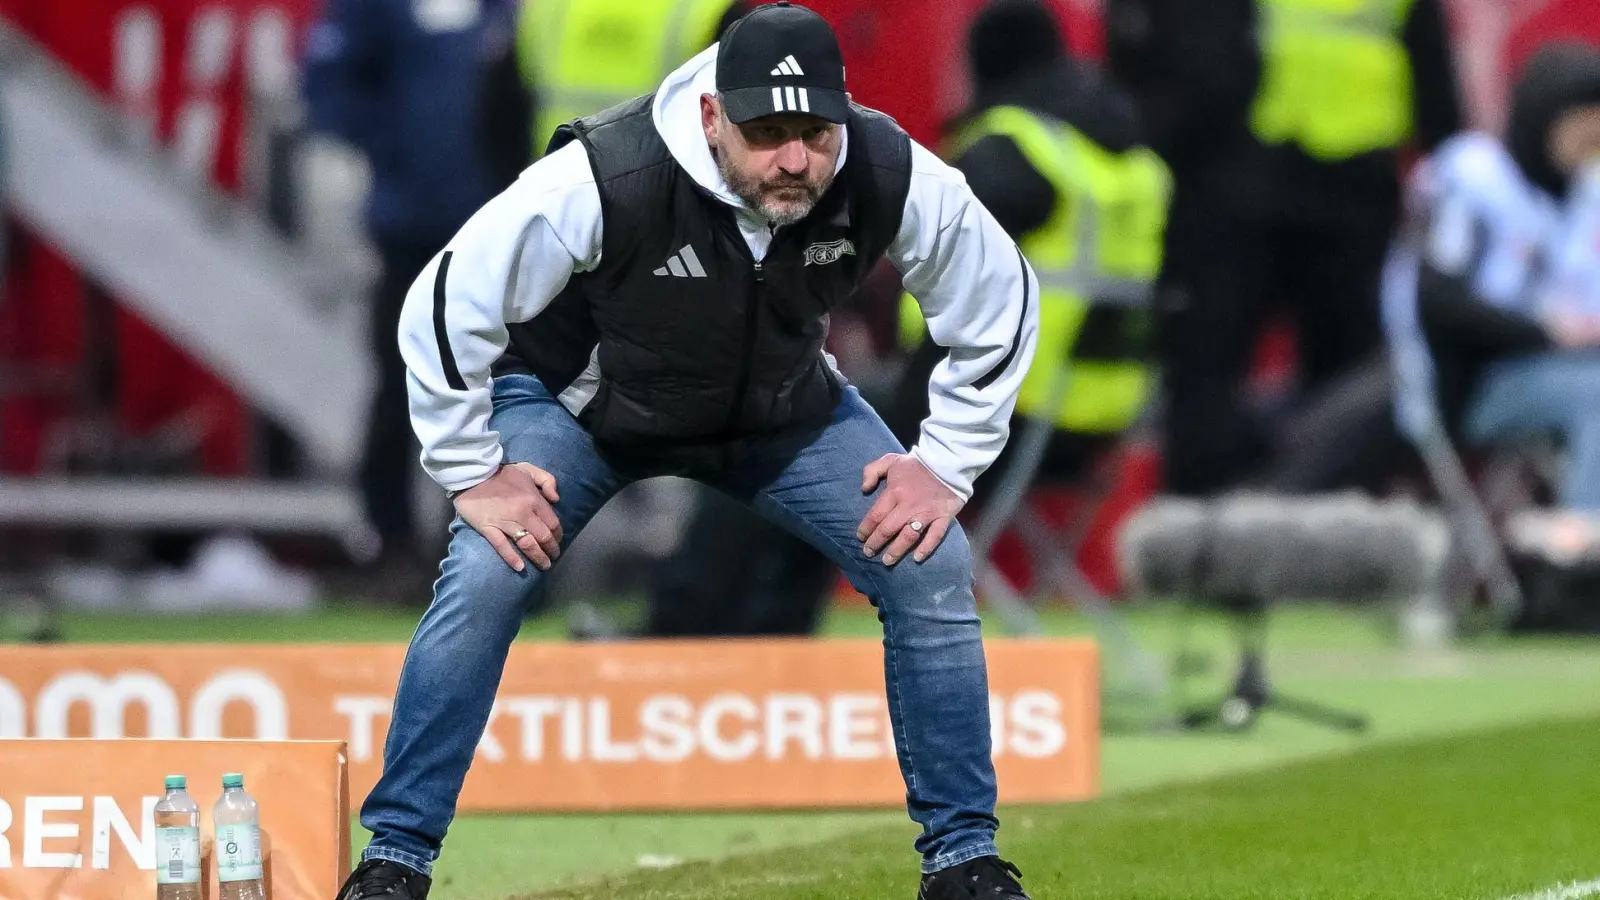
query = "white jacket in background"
x=1474 y=216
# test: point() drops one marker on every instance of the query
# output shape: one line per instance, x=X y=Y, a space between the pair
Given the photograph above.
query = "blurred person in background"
x=1285 y=157
x=1053 y=149
x=560 y=59
x=505 y=102
x=556 y=354
x=1499 y=277
x=578 y=57
x=400 y=81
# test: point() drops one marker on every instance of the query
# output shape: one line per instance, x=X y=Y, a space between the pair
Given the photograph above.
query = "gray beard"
x=750 y=192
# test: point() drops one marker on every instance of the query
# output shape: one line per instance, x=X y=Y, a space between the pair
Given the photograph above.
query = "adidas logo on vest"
x=683 y=264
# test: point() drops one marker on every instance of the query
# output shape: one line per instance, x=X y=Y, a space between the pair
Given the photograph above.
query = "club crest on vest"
x=830 y=252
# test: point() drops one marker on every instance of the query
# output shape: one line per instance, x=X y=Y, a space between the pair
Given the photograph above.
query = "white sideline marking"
x=1574 y=891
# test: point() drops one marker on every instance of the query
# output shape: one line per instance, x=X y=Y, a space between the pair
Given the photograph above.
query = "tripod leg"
x=1008 y=494
x=1252 y=693
x=1142 y=671
x=1472 y=523
x=1017 y=614
x=1002 y=506
x=1319 y=713
x=1013 y=487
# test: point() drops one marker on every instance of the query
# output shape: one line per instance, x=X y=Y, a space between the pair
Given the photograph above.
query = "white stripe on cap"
x=794 y=64
x=777 y=99
x=788 y=98
x=805 y=102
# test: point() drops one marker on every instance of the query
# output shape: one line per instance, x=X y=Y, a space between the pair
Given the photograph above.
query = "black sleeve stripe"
x=447 y=359
x=1016 y=339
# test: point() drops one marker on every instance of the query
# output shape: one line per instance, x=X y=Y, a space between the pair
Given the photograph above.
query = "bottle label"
x=178 y=855
x=238 y=852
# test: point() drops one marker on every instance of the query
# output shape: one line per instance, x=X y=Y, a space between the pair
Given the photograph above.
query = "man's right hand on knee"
x=512 y=510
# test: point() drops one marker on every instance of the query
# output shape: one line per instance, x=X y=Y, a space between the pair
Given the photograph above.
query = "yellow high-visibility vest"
x=1336 y=79
x=583 y=56
x=1102 y=241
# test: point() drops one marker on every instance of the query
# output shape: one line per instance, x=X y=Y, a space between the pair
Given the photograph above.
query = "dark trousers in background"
x=391 y=453
x=735 y=573
x=1223 y=279
x=1344 y=436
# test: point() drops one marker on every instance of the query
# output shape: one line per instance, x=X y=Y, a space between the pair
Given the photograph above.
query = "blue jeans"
x=810 y=484
x=1547 y=393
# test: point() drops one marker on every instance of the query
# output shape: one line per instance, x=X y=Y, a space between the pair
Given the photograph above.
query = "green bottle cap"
x=176 y=782
x=233 y=780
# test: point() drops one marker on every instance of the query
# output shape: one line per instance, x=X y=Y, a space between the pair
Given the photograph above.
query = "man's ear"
x=710 y=112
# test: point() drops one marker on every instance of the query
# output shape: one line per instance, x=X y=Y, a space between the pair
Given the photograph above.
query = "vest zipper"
x=742 y=386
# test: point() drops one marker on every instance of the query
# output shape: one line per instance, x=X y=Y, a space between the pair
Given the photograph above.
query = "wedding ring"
x=916 y=526
x=521 y=533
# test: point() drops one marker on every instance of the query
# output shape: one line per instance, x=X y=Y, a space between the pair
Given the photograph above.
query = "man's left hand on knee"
x=913 y=511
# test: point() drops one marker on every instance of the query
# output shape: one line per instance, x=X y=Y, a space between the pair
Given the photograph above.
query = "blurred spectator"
x=1501 y=278
x=1491 y=298
x=1285 y=160
x=1054 y=151
x=400 y=81
x=581 y=56
x=505 y=102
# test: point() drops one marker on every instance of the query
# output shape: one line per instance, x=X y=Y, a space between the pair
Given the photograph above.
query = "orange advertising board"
x=76 y=815
x=781 y=723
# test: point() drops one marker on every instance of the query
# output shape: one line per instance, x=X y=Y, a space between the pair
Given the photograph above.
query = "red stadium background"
x=167 y=62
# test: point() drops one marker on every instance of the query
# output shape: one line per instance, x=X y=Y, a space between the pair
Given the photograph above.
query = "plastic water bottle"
x=177 y=843
x=238 y=822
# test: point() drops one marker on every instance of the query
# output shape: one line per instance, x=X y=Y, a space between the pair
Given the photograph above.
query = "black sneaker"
x=382 y=878
x=984 y=878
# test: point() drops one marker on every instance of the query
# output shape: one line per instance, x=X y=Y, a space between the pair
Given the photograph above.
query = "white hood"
x=677 y=116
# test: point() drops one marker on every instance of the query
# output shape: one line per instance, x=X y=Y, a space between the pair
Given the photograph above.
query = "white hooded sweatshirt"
x=514 y=256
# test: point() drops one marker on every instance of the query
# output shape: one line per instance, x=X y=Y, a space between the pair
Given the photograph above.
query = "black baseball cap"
x=781 y=58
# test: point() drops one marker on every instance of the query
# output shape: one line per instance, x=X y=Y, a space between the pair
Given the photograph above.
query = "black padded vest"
x=700 y=347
